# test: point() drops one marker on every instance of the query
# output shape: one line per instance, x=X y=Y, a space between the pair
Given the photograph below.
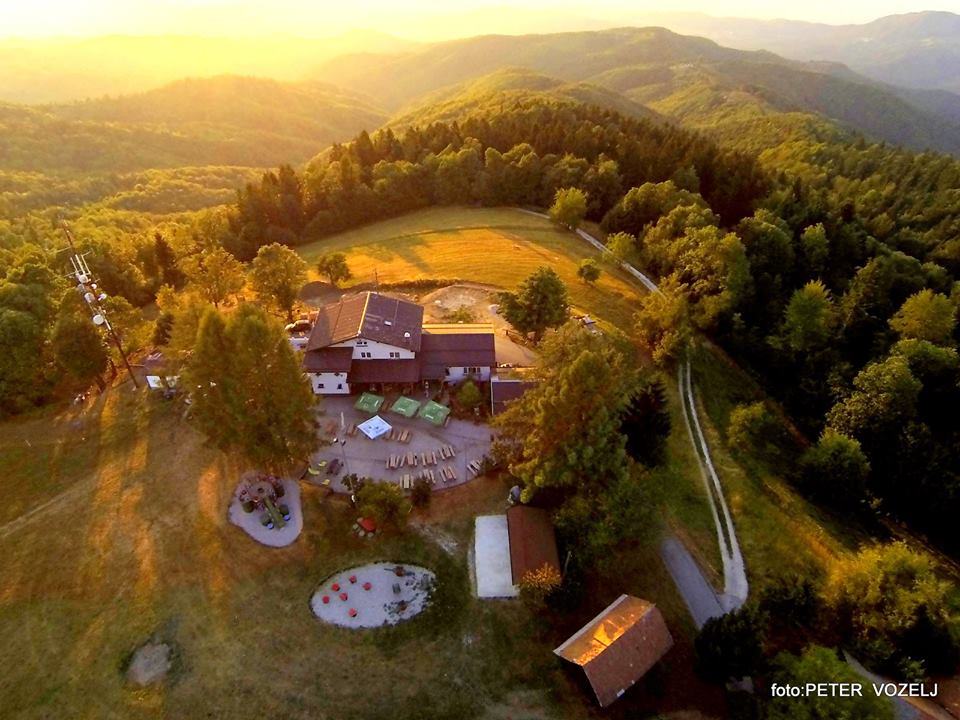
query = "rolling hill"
x=227 y=120
x=691 y=79
x=918 y=50
x=53 y=70
x=505 y=86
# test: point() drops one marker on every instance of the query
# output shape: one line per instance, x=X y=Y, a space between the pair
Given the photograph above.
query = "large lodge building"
x=371 y=339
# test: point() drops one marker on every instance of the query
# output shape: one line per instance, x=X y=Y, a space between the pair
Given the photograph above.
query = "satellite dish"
x=103 y=296
x=88 y=297
x=98 y=319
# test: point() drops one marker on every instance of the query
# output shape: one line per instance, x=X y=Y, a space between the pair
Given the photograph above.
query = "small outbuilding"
x=532 y=541
x=618 y=647
x=507 y=547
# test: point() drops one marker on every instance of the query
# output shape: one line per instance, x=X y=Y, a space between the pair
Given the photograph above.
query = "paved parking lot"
x=368 y=458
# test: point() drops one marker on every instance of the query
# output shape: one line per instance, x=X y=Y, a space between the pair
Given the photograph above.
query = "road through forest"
x=701 y=600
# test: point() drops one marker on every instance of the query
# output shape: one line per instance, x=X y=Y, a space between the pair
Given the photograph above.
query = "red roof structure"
x=618 y=647
x=532 y=542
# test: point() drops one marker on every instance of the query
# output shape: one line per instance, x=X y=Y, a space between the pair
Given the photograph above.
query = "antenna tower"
x=94 y=297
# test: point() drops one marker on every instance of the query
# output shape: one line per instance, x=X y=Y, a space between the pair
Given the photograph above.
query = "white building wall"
x=376 y=350
x=456 y=374
x=330 y=383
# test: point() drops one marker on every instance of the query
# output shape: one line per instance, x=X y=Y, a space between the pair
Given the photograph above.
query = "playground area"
x=267 y=508
x=373 y=595
x=417 y=439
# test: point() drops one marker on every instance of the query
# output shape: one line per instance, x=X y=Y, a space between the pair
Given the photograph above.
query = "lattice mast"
x=94 y=297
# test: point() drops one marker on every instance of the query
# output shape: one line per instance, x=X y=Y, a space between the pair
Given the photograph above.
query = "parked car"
x=299 y=326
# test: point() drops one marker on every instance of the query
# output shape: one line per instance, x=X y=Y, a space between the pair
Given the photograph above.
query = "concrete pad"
x=250 y=522
x=492 y=557
x=367 y=458
x=379 y=605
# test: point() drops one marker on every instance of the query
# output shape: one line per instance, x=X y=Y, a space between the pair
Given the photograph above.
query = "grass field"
x=781 y=533
x=137 y=545
x=114 y=530
x=498 y=247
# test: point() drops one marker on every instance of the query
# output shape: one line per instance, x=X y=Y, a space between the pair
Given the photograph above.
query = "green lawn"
x=128 y=539
x=143 y=548
x=498 y=247
x=779 y=531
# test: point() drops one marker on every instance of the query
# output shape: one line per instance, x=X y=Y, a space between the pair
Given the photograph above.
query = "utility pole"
x=94 y=297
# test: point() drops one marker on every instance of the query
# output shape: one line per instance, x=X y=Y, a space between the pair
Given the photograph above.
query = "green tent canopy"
x=406 y=406
x=369 y=403
x=434 y=412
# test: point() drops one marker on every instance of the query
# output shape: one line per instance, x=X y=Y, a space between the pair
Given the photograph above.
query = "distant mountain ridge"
x=691 y=79
x=918 y=50
x=54 y=70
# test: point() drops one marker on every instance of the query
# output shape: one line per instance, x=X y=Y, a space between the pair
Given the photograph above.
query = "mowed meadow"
x=136 y=544
x=497 y=247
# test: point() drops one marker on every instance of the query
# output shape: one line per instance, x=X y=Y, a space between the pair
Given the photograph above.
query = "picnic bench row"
x=425 y=458
x=445 y=474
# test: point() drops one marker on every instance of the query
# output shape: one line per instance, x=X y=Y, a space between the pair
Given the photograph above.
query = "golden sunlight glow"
x=416 y=19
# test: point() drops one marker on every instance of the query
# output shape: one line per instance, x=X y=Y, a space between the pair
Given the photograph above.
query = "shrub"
x=469 y=395
x=536 y=586
x=421 y=493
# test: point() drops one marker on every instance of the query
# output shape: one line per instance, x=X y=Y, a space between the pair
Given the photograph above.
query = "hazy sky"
x=424 y=19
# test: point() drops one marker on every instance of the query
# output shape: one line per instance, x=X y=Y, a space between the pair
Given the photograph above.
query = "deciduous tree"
x=588 y=271
x=890 y=603
x=822 y=665
x=333 y=266
x=215 y=273
x=539 y=303
x=277 y=275
x=835 y=470
x=926 y=315
x=569 y=207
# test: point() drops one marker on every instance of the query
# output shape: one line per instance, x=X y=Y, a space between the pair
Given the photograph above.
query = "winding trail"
x=699 y=597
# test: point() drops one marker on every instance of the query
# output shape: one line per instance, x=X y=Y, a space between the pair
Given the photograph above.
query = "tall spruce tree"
x=249 y=392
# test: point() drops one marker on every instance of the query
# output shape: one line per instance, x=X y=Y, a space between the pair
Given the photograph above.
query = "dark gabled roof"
x=443 y=346
x=504 y=391
x=369 y=316
x=619 y=646
x=532 y=542
x=385 y=371
x=337 y=322
x=331 y=359
x=392 y=321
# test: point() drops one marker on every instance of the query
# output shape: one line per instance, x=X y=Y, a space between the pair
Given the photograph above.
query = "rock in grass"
x=149 y=664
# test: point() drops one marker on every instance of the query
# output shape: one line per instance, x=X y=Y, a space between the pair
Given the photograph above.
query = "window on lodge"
x=394 y=354
x=472 y=370
x=366 y=355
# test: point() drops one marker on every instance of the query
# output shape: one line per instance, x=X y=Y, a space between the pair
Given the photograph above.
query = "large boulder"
x=150 y=664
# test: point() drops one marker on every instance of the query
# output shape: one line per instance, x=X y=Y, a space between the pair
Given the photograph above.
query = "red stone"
x=353 y=612
x=353 y=578
x=367 y=586
x=343 y=596
x=336 y=587
x=326 y=599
